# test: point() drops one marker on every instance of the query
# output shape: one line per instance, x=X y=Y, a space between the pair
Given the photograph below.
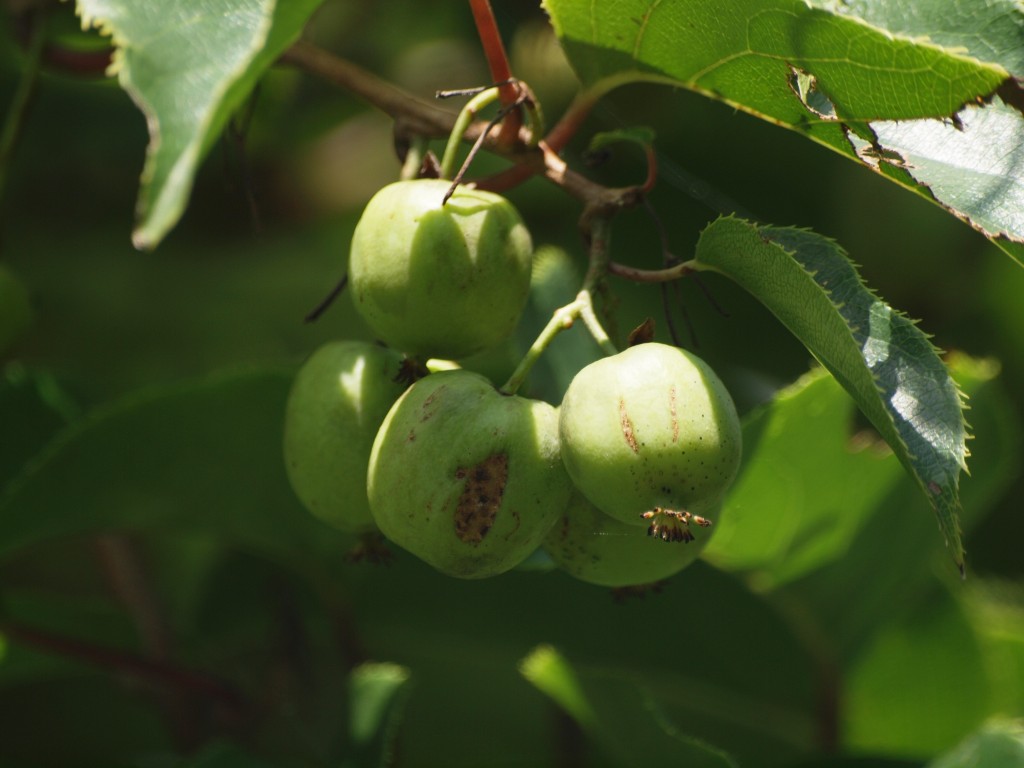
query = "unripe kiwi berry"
x=338 y=399
x=439 y=280
x=466 y=478
x=596 y=548
x=648 y=430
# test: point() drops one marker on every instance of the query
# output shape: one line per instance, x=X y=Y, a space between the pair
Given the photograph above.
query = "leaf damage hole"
x=480 y=499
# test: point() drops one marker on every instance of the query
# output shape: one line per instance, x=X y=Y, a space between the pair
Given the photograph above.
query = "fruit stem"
x=651 y=275
x=562 y=319
x=413 y=162
x=462 y=123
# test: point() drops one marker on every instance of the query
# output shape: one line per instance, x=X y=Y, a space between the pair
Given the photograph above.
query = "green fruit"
x=466 y=478
x=651 y=430
x=439 y=280
x=598 y=549
x=337 y=402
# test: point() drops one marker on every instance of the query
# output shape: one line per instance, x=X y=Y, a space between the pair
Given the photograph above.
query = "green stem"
x=18 y=111
x=462 y=123
x=414 y=158
x=581 y=308
x=561 y=319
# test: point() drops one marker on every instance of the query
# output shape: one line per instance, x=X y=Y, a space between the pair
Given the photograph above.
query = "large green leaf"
x=988 y=31
x=842 y=80
x=928 y=653
x=188 y=65
x=203 y=455
x=619 y=715
x=888 y=558
x=998 y=744
x=805 y=488
x=880 y=357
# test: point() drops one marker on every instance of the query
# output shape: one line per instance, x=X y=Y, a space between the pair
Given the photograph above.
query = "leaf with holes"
x=842 y=74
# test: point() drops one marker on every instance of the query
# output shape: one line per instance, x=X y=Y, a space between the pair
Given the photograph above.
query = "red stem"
x=501 y=72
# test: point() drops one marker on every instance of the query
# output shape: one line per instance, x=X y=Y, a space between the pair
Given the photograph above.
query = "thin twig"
x=315 y=313
x=153 y=671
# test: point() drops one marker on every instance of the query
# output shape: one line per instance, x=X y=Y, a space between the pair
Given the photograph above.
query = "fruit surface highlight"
x=338 y=400
x=648 y=431
x=598 y=549
x=466 y=478
x=439 y=280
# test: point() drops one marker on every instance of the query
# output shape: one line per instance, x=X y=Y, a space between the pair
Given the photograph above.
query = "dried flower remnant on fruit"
x=481 y=497
x=673 y=525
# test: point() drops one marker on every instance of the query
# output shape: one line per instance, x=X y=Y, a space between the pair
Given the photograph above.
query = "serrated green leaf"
x=842 y=74
x=203 y=455
x=880 y=357
x=188 y=65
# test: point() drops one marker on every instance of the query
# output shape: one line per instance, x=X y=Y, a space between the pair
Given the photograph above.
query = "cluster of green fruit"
x=472 y=480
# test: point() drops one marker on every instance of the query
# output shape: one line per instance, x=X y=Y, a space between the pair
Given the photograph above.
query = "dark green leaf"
x=880 y=357
x=32 y=409
x=199 y=456
x=188 y=65
x=15 y=308
x=618 y=714
x=743 y=53
x=378 y=692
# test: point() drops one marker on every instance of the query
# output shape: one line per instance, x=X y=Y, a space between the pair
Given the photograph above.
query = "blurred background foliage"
x=717 y=668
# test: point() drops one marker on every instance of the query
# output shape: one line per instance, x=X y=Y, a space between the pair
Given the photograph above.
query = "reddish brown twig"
x=501 y=72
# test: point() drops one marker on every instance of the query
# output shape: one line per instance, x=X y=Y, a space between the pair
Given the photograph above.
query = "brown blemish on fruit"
x=481 y=497
x=627 y=427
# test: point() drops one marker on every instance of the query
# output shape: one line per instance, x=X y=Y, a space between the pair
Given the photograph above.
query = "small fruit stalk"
x=466 y=478
x=650 y=436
